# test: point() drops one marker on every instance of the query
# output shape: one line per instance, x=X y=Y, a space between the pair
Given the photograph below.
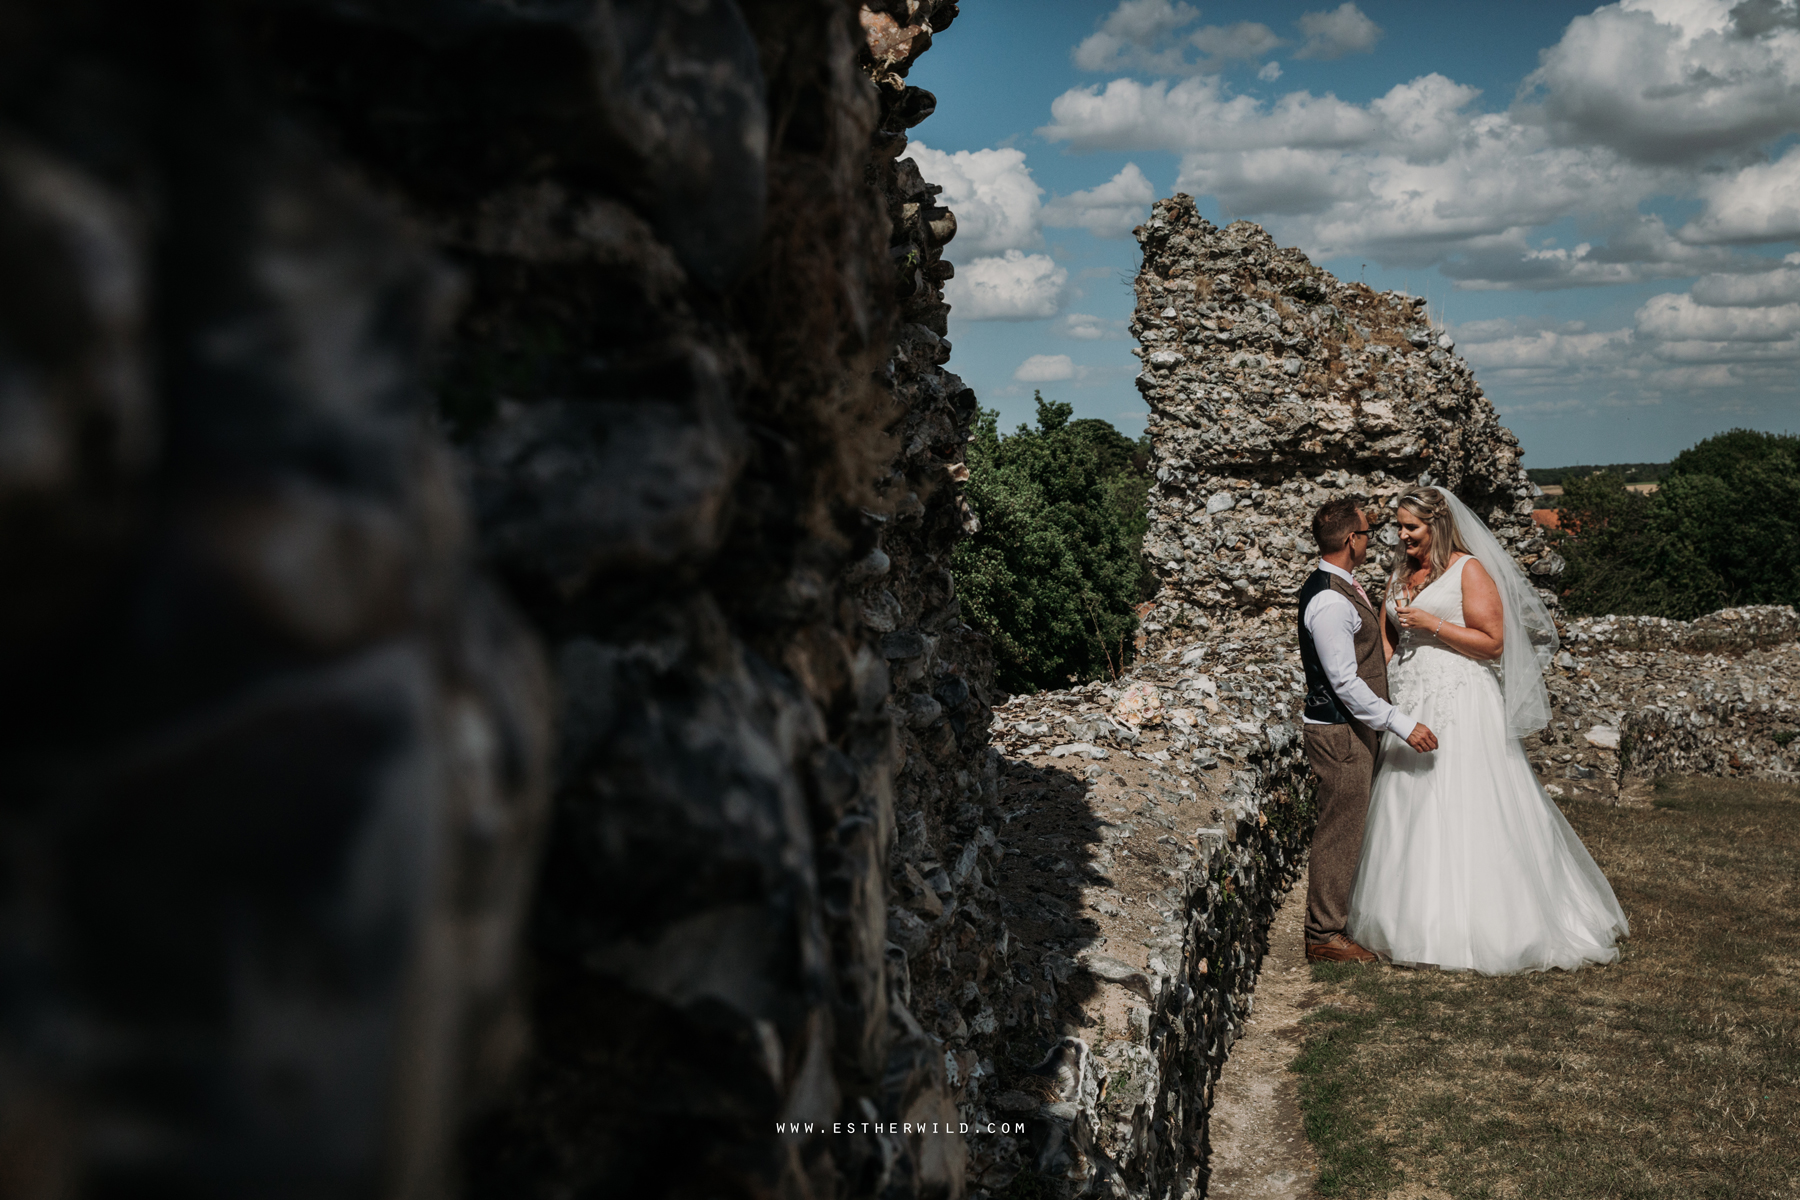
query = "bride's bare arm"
x=1483 y=631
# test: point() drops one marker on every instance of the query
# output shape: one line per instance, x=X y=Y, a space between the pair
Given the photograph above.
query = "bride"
x=1466 y=864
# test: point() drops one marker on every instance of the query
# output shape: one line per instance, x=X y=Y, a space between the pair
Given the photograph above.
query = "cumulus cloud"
x=1113 y=209
x=1128 y=39
x=1638 y=248
x=1152 y=37
x=1544 y=349
x=1047 y=368
x=1343 y=30
x=993 y=195
x=1084 y=327
x=1761 y=203
x=1241 y=40
x=1271 y=71
x=1668 y=81
x=1729 y=332
x=1413 y=176
x=1420 y=176
x=1753 y=18
x=1637 y=100
x=1777 y=286
x=1014 y=286
x=1674 y=317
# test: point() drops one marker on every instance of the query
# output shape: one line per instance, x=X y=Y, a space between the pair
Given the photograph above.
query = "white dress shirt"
x=1334 y=623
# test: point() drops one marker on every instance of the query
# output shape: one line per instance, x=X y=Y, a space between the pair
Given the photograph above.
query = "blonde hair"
x=1427 y=505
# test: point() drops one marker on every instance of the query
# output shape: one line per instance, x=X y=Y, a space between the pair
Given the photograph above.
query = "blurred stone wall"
x=1274 y=386
x=320 y=315
x=273 y=757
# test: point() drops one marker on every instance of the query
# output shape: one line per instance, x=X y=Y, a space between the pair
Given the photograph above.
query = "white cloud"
x=1343 y=30
x=1415 y=177
x=1666 y=81
x=1113 y=209
x=1638 y=248
x=1046 y=368
x=1127 y=39
x=1737 y=333
x=1549 y=349
x=1242 y=40
x=1014 y=286
x=1271 y=71
x=1140 y=35
x=1778 y=286
x=1674 y=317
x=992 y=194
x=1199 y=114
x=1761 y=203
x=1084 y=327
x=1638 y=100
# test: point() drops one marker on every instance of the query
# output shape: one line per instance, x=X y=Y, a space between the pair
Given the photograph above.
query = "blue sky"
x=1603 y=203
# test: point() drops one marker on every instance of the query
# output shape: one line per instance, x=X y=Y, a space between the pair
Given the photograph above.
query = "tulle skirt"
x=1466 y=863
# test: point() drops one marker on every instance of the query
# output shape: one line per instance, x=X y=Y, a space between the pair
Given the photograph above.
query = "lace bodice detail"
x=1424 y=667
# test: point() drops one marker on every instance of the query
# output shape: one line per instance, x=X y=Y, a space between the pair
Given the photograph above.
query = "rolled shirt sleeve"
x=1334 y=623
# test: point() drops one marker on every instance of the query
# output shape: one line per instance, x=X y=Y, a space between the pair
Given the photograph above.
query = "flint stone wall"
x=1274 y=386
x=1646 y=696
x=362 y=363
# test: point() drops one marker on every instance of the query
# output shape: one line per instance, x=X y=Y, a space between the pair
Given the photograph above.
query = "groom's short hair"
x=1334 y=522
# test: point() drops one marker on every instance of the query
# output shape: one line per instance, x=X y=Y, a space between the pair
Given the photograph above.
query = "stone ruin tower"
x=1274 y=386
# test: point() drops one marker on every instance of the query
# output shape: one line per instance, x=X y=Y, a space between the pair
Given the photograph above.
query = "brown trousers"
x=1343 y=758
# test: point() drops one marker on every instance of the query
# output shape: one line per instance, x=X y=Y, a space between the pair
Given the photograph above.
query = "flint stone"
x=906 y=643
x=922 y=711
x=1604 y=736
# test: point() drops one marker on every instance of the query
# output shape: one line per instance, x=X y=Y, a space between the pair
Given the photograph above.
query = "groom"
x=1346 y=710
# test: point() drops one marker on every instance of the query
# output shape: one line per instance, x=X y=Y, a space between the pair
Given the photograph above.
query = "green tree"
x=1057 y=566
x=1723 y=530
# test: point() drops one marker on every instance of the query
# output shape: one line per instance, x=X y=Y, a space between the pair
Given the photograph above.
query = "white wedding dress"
x=1466 y=864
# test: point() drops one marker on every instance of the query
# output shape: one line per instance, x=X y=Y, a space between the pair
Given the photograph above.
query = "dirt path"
x=1259 y=1147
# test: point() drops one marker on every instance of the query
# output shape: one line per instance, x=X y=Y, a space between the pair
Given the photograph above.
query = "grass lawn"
x=1674 y=1073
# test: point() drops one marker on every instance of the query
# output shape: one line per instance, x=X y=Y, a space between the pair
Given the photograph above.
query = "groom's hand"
x=1422 y=739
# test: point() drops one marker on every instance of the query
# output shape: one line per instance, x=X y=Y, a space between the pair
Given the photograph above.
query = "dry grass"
x=1675 y=1073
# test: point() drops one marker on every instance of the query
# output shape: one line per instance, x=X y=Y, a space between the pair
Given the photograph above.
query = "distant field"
x=1633 y=472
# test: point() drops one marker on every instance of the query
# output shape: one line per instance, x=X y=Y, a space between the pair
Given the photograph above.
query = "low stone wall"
x=1140 y=918
x=1647 y=696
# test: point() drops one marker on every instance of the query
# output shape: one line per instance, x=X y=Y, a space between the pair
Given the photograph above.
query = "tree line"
x=1722 y=529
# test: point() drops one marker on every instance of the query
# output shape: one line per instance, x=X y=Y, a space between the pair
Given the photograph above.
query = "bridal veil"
x=1530 y=640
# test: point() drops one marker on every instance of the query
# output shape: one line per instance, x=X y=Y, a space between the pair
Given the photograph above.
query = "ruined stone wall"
x=1647 y=696
x=1274 y=386
x=273 y=754
x=325 y=320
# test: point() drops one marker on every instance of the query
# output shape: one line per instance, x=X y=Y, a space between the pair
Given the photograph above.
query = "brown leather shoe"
x=1337 y=948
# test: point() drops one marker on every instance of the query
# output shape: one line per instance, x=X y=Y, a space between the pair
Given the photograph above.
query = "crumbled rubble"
x=1716 y=696
x=1273 y=386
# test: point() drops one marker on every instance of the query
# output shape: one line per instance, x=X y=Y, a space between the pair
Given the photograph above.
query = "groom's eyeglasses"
x=1361 y=533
